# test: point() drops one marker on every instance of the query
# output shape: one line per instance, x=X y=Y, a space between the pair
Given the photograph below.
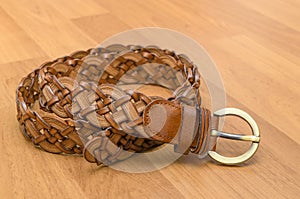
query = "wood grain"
x=256 y=46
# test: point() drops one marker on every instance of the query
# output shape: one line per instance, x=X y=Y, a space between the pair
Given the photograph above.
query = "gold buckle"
x=254 y=138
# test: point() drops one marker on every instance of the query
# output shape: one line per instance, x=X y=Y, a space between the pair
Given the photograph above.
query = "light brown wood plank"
x=281 y=11
x=15 y=44
x=48 y=27
x=96 y=26
x=77 y=8
x=252 y=58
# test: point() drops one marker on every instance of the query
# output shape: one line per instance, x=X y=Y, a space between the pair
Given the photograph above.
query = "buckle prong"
x=239 y=137
x=254 y=138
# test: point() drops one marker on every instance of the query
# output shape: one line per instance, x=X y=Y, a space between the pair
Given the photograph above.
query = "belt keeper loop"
x=188 y=129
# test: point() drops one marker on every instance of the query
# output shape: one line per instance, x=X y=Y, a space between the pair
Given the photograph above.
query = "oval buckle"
x=254 y=138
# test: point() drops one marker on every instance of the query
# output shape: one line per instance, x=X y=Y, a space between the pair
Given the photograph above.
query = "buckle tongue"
x=254 y=138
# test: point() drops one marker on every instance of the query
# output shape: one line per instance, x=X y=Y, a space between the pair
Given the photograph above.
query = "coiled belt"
x=84 y=104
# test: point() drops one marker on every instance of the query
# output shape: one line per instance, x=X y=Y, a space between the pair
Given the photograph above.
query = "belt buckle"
x=254 y=138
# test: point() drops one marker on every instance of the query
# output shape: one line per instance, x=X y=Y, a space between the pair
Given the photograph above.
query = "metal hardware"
x=254 y=138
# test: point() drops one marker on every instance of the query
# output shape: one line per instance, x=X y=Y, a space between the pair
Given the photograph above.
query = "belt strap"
x=72 y=106
x=182 y=125
x=44 y=102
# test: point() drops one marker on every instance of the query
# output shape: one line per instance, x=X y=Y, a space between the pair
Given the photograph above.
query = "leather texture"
x=179 y=124
x=61 y=111
x=162 y=119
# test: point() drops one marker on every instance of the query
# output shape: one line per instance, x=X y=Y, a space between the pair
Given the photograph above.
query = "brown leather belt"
x=79 y=104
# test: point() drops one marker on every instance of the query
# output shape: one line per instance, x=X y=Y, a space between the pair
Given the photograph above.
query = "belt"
x=84 y=104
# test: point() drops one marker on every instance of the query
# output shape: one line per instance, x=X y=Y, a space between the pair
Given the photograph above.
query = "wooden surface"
x=256 y=46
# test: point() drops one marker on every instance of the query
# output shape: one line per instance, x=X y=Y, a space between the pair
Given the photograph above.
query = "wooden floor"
x=256 y=46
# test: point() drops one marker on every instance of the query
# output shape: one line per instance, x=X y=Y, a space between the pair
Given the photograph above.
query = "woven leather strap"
x=76 y=104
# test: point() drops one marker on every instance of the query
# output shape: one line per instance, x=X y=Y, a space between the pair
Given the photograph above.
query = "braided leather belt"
x=84 y=104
